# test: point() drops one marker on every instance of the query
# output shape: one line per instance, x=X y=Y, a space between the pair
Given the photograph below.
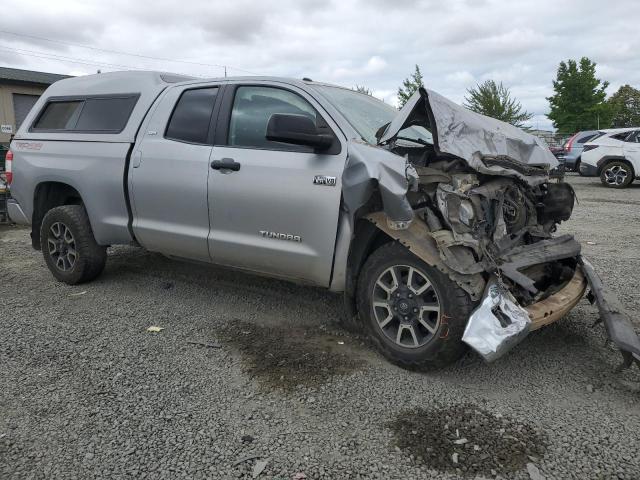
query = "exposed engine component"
x=557 y=203
x=514 y=209
x=479 y=221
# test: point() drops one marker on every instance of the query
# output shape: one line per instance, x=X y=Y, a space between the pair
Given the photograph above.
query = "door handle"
x=137 y=159
x=225 y=164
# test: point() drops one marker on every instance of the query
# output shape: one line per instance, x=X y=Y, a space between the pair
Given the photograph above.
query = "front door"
x=168 y=174
x=275 y=211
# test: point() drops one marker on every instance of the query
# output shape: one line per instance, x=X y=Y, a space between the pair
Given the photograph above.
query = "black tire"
x=444 y=346
x=576 y=168
x=89 y=259
x=616 y=174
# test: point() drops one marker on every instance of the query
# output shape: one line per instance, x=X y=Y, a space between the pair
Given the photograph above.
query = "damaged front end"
x=481 y=209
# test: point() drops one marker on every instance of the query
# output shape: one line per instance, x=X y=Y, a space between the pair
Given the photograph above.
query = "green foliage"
x=579 y=99
x=409 y=86
x=363 y=89
x=494 y=100
x=625 y=105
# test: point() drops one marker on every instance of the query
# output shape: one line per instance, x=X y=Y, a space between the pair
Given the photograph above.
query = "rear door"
x=278 y=213
x=168 y=173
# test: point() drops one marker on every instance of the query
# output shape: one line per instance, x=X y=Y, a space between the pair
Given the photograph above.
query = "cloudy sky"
x=374 y=43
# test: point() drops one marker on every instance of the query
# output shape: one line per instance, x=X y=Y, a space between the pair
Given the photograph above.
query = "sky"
x=373 y=43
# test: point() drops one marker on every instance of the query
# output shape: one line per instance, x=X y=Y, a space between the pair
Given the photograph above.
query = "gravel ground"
x=251 y=373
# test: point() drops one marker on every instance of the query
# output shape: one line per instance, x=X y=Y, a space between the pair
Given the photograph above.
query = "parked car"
x=572 y=149
x=614 y=156
x=437 y=235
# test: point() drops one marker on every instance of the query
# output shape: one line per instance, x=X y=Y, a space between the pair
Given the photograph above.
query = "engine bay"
x=494 y=224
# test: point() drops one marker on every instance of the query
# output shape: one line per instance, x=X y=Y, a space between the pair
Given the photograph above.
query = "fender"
x=418 y=239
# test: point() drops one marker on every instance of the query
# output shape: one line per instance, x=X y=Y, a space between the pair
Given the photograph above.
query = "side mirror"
x=297 y=130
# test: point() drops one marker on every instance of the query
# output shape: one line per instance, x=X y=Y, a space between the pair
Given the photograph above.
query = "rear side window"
x=620 y=136
x=59 y=116
x=105 y=114
x=191 y=117
x=91 y=114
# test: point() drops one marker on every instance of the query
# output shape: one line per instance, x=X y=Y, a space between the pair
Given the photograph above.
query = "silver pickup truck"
x=437 y=224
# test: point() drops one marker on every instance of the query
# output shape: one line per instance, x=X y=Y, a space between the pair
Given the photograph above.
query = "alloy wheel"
x=62 y=246
x=615 y=175
x=406 y=306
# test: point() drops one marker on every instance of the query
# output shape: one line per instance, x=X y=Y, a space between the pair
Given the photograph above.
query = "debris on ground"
x=154 y=329
x=246 y=459
x=259 y=467
x=204 y=344
x=534 y=472
x=77 y=294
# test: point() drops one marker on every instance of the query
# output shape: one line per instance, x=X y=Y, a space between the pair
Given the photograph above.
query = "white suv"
x=614 y=156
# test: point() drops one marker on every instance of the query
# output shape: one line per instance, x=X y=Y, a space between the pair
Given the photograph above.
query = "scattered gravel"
x=87 y=392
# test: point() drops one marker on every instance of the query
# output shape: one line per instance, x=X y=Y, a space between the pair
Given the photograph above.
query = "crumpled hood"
x=466 y=134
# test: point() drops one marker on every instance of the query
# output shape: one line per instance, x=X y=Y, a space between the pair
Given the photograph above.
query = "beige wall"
x=6 y=104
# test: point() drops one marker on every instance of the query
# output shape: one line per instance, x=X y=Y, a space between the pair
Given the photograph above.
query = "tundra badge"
x=324 y=180
x=280 y=236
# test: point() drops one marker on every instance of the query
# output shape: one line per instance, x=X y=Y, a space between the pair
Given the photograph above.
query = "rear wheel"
x=616 y=174
x=68 y=245
x=576 y=168
x=413 y=312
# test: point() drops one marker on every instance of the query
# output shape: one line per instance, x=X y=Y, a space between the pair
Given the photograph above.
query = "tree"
x=409 y=86
x=494 y=100
x=363 y=89
x=579 y=99
x=625 y=106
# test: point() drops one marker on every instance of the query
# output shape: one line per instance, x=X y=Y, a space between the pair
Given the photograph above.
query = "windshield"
x=367 y=114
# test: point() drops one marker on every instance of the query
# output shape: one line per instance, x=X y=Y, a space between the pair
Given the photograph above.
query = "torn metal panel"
x=486 y=144
x=618 y=326
x=564 y=246
x=418 y=239
x=498 y=324
x=369 y=168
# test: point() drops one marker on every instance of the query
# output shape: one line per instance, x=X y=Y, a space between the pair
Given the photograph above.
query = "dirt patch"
x=467 y=440
x=285 y=357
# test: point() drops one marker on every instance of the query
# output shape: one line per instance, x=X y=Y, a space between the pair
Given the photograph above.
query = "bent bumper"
x=15 y=213
x=556 y=306
x=618 y=325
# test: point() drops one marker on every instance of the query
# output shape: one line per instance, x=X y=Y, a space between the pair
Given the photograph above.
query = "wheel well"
x=605 y=160
x=366 y=239
x=49 y=195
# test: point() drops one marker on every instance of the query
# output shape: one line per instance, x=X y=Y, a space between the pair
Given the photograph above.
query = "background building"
x=19 y=90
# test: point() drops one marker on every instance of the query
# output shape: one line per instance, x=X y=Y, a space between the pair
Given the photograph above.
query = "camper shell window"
x=88 y=114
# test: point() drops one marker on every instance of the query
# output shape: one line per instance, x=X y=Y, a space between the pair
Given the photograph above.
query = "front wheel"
x=616 y=174
x=413 y=312
x=68 y=245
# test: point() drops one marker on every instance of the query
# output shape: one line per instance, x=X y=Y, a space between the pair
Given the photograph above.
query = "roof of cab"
x=147 y=84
